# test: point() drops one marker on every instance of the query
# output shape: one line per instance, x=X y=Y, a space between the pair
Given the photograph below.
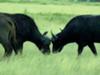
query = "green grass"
x=66 y=62
x=57 y=2
x=50 y=9
x=32 y=61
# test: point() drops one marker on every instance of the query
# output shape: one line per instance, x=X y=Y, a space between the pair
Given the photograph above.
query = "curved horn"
x=45 y=33
x=53 y=35
x=60 y=29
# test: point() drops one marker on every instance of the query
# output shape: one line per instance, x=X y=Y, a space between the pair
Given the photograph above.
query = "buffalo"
x=27 y=30
x=7 y=34
x=84 y=30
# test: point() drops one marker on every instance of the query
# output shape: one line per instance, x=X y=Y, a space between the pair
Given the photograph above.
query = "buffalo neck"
x=37 y=38
x=66 y=36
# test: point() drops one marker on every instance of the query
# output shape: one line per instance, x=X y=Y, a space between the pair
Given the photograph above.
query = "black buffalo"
x=83 y=30
x=26 y=30
x=7 y=34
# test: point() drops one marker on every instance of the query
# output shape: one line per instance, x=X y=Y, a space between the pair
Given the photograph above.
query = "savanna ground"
x=51 y=17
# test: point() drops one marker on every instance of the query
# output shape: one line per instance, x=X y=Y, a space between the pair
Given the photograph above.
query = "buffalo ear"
x=45 y=33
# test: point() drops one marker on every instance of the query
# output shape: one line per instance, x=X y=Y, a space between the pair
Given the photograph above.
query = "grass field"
x=47 y=18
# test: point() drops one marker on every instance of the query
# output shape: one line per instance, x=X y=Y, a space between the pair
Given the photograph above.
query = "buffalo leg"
x=80 y=49
x=93 y=49
x=8 y=49
x=15 y=50
x=20 y=48
x=17 y=47
x=20 y=45
x=14 y=47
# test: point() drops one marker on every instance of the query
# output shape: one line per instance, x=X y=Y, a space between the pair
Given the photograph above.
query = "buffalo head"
x=44 y=44
x=57 y=45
